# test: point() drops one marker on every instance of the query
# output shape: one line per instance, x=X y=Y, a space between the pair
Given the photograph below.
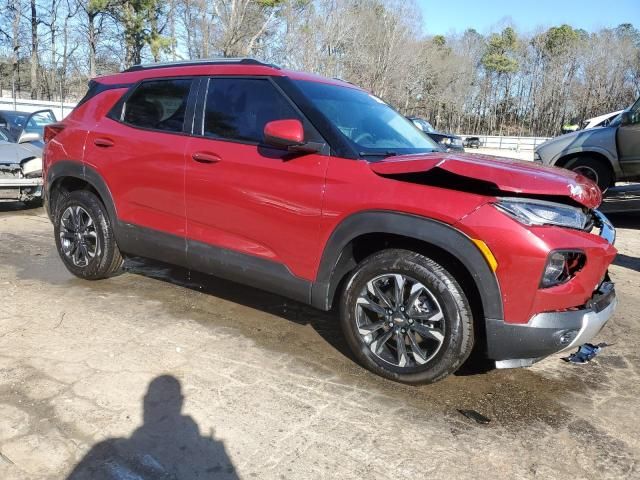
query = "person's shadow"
x=167 y=446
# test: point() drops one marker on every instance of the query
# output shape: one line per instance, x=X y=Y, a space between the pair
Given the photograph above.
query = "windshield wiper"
x=386 y=154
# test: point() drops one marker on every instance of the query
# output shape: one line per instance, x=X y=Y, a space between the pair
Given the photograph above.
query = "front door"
x=251 y=208
x=628 y=142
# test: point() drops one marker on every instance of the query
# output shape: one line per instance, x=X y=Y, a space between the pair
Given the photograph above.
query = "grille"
x=11 y=170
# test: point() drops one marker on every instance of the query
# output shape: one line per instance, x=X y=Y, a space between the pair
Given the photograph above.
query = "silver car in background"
x=606 y=154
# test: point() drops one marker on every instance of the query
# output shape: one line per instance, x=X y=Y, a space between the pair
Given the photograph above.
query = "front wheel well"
x=366 y=245
x=564 y=161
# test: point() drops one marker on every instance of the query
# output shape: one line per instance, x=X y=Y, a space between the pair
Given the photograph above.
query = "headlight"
x=539 y=212
x=537 y=158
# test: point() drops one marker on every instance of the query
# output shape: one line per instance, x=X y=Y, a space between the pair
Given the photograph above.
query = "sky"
x=442 y=17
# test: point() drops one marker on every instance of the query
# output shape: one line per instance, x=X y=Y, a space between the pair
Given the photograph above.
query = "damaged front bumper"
x=514 y=345
x=21 y=189
x=21 y=181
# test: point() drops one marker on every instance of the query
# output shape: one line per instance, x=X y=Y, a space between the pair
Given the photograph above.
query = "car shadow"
x=630 y=220
x=632 y=263
x=326 y=324
x=14 y=207
x=167 y=445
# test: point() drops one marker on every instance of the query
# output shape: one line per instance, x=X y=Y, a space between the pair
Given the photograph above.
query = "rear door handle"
x=205 y=157
x=103 y=142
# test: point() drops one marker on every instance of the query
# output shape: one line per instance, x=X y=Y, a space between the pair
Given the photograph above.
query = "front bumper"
x=520 y=345
x=20 y=188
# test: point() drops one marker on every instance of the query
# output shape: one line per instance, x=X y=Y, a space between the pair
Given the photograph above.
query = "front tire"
x=406 y=318
x=84 y=237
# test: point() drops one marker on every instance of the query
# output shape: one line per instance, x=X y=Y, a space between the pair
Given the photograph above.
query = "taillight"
x=52 y=130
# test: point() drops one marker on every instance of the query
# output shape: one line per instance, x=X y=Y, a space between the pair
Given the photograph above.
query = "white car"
x=21 y=171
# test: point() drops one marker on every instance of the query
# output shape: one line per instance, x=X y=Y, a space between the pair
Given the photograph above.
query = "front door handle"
x=205 y=157
x=103 y=142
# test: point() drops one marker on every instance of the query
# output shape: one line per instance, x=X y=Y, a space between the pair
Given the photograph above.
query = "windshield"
x=374 y=128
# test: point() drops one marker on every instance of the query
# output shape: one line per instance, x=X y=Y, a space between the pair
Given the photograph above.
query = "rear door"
x=258 y=202
x=628 y=142
x=139 y=150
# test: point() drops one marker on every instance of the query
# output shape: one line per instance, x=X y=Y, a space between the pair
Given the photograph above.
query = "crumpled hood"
x=11 y=153
x=507 y=175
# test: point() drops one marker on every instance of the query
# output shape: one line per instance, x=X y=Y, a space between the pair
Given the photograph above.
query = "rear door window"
x=239 y=108
x=158 y=105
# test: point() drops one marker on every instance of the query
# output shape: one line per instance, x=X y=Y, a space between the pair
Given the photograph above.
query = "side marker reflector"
x=491 y=260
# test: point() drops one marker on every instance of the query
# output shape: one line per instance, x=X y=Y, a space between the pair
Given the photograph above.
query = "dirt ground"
x=161 y=367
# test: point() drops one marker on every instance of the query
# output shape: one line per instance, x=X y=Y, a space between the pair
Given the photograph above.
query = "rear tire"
x=593 y=169
x=84 y=236
x=417 y=336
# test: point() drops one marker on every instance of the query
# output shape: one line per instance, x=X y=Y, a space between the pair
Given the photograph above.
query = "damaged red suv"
x=316 y=190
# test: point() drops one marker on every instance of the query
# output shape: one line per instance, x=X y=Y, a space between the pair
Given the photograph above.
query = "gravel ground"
x=176 y=375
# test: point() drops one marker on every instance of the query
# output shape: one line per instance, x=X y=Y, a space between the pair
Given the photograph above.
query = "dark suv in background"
x=447 y=141
x=316 y=190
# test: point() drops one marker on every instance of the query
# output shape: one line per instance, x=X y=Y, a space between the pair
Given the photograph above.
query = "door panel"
x=256 y=201
x=628 y=142
x=146 y=178
x=244 y=196
x=140 y=154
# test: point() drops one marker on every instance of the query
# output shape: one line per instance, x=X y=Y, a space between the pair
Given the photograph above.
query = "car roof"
x=222 y=66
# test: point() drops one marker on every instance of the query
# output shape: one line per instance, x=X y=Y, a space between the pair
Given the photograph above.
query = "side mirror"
x=284 y=133
x=29 y=137
x=626 y=118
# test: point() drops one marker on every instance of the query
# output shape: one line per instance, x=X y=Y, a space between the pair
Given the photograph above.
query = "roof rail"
x=212 y=61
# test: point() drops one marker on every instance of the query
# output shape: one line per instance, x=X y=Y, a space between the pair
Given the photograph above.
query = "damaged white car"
x=21 y=171
x=21 y=155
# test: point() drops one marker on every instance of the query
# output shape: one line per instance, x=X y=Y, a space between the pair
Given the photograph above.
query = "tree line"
x=503 y=82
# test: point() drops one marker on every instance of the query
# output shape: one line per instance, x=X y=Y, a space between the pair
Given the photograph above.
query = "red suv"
x=315 y=189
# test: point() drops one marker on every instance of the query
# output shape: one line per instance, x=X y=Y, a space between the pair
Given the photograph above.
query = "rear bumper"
x=514 y=345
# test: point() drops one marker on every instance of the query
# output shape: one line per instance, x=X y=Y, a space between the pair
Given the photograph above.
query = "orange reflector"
x=491 y=260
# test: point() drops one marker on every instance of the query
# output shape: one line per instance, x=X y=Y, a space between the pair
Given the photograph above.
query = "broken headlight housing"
x=561 y=267
x=540 y=212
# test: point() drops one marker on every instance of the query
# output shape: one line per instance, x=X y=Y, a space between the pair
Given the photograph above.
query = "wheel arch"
x=601 y=155
x=66 y=176
x=373 y=230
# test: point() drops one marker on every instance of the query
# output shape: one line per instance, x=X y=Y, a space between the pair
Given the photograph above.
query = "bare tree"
x=505 y=82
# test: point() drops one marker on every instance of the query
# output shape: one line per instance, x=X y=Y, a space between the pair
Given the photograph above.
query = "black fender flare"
x=69 y=168
x=434 y=232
